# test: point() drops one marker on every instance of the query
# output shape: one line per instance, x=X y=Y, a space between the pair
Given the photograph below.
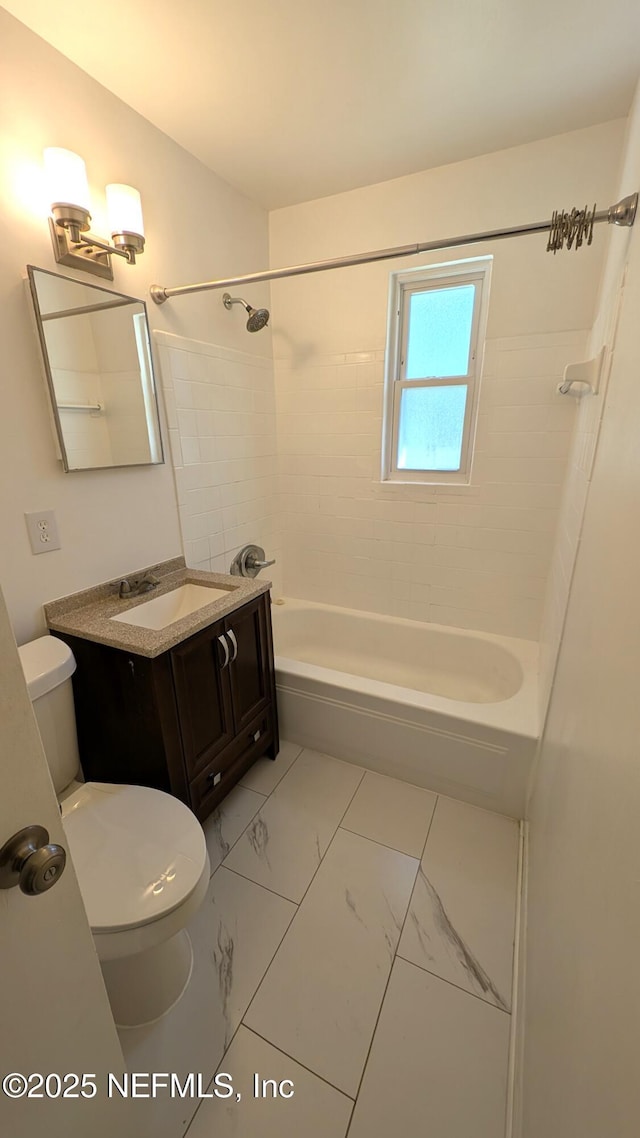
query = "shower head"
x=258 y=317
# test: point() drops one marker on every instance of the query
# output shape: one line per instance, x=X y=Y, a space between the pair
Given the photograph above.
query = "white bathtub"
x=447 y=709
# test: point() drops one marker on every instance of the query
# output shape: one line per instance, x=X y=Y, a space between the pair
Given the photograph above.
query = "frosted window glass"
x=431 y=427
x=439 y=332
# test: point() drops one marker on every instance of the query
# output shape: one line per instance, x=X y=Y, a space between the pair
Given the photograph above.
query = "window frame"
x=403 y=285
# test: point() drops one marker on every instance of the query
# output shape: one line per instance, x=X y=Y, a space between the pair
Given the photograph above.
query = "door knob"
x=29 y=860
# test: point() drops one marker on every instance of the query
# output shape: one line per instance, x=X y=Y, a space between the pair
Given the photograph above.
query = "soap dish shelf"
x=582 y=378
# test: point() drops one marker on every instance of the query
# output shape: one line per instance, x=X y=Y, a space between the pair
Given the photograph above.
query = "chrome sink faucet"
x=136 y=586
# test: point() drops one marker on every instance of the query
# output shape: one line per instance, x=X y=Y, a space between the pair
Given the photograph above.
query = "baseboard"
x=516 y=1037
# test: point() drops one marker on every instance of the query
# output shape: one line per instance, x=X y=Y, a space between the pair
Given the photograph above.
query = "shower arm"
x=622 y=213
x=229 y=300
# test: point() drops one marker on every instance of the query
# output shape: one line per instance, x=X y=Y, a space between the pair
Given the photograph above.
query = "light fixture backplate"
x=84 y=257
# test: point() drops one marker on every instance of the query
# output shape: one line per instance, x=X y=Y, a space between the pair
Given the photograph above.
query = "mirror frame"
x=31 y=270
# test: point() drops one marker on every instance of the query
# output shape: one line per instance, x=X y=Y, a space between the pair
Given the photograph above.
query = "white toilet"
x=140 y=855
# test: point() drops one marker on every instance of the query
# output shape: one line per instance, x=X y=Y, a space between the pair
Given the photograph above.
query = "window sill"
x=391 y=487
x=424 y=482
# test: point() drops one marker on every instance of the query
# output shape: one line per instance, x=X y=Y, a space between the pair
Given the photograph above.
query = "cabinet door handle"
x=223 y=641
x=232 y=637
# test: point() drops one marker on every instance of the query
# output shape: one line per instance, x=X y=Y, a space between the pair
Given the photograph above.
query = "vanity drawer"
x=212 y=784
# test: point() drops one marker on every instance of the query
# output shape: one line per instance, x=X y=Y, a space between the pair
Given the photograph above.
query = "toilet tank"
x=48 y=665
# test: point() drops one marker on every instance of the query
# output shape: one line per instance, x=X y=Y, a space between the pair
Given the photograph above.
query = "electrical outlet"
x=43 y=531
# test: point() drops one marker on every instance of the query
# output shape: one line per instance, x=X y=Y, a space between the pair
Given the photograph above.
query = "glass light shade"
x=66 y=177
x=124 y=208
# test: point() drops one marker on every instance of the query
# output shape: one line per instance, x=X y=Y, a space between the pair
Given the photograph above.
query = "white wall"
x=197 y=227
x=473 y=556
x=583 y=991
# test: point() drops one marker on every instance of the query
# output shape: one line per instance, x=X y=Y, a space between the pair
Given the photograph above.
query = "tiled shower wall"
x=474 y=557
x=220 y=407
x=579 y=466
x=589 y=412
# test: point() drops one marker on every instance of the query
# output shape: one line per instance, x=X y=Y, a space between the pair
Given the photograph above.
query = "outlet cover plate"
x=43 y=531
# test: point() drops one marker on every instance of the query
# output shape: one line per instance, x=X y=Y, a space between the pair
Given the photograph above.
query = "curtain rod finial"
x=158 y=293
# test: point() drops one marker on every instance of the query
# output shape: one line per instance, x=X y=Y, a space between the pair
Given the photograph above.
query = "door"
x=201 y=674
x=55 y=1013
x=249 y=669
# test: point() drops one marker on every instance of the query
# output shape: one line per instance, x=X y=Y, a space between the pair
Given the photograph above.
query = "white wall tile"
x=224 y=412
x=346 y=536
x=305 y=482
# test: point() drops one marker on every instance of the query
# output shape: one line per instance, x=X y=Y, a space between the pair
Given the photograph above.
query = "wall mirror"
x=99 y=371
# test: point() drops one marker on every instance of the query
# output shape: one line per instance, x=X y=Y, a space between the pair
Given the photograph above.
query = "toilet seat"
x=139 y=854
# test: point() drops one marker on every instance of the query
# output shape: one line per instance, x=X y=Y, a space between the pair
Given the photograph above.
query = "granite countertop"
x=87 y=614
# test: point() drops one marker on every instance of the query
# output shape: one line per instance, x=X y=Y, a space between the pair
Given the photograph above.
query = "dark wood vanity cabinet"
x=190 y=721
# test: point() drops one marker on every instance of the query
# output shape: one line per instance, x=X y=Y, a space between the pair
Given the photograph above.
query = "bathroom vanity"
x=186 y=708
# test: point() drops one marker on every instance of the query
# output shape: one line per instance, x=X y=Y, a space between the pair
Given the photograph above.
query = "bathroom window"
x=437 y=325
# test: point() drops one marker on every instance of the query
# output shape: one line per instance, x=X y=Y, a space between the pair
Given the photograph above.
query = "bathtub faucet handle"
x=249 y=561
x=252 y=563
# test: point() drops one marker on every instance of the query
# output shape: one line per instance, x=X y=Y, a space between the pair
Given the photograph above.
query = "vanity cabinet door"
x=203 y=693
x=249 y=670
x=190 y=721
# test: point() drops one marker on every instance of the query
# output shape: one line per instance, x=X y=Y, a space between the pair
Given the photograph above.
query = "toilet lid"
x=138 y=853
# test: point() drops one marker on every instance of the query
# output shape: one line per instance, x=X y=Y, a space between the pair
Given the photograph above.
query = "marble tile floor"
x=356 y=942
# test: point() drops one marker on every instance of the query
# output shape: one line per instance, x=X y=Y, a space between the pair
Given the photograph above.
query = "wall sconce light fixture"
x=71 y=217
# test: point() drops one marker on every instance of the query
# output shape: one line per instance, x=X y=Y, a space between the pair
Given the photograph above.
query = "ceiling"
x=290 y=100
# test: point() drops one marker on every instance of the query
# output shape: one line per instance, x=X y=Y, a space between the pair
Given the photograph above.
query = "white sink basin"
x=170 y=607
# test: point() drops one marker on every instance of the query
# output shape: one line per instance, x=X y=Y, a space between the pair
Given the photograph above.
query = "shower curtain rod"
x=572 y=227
